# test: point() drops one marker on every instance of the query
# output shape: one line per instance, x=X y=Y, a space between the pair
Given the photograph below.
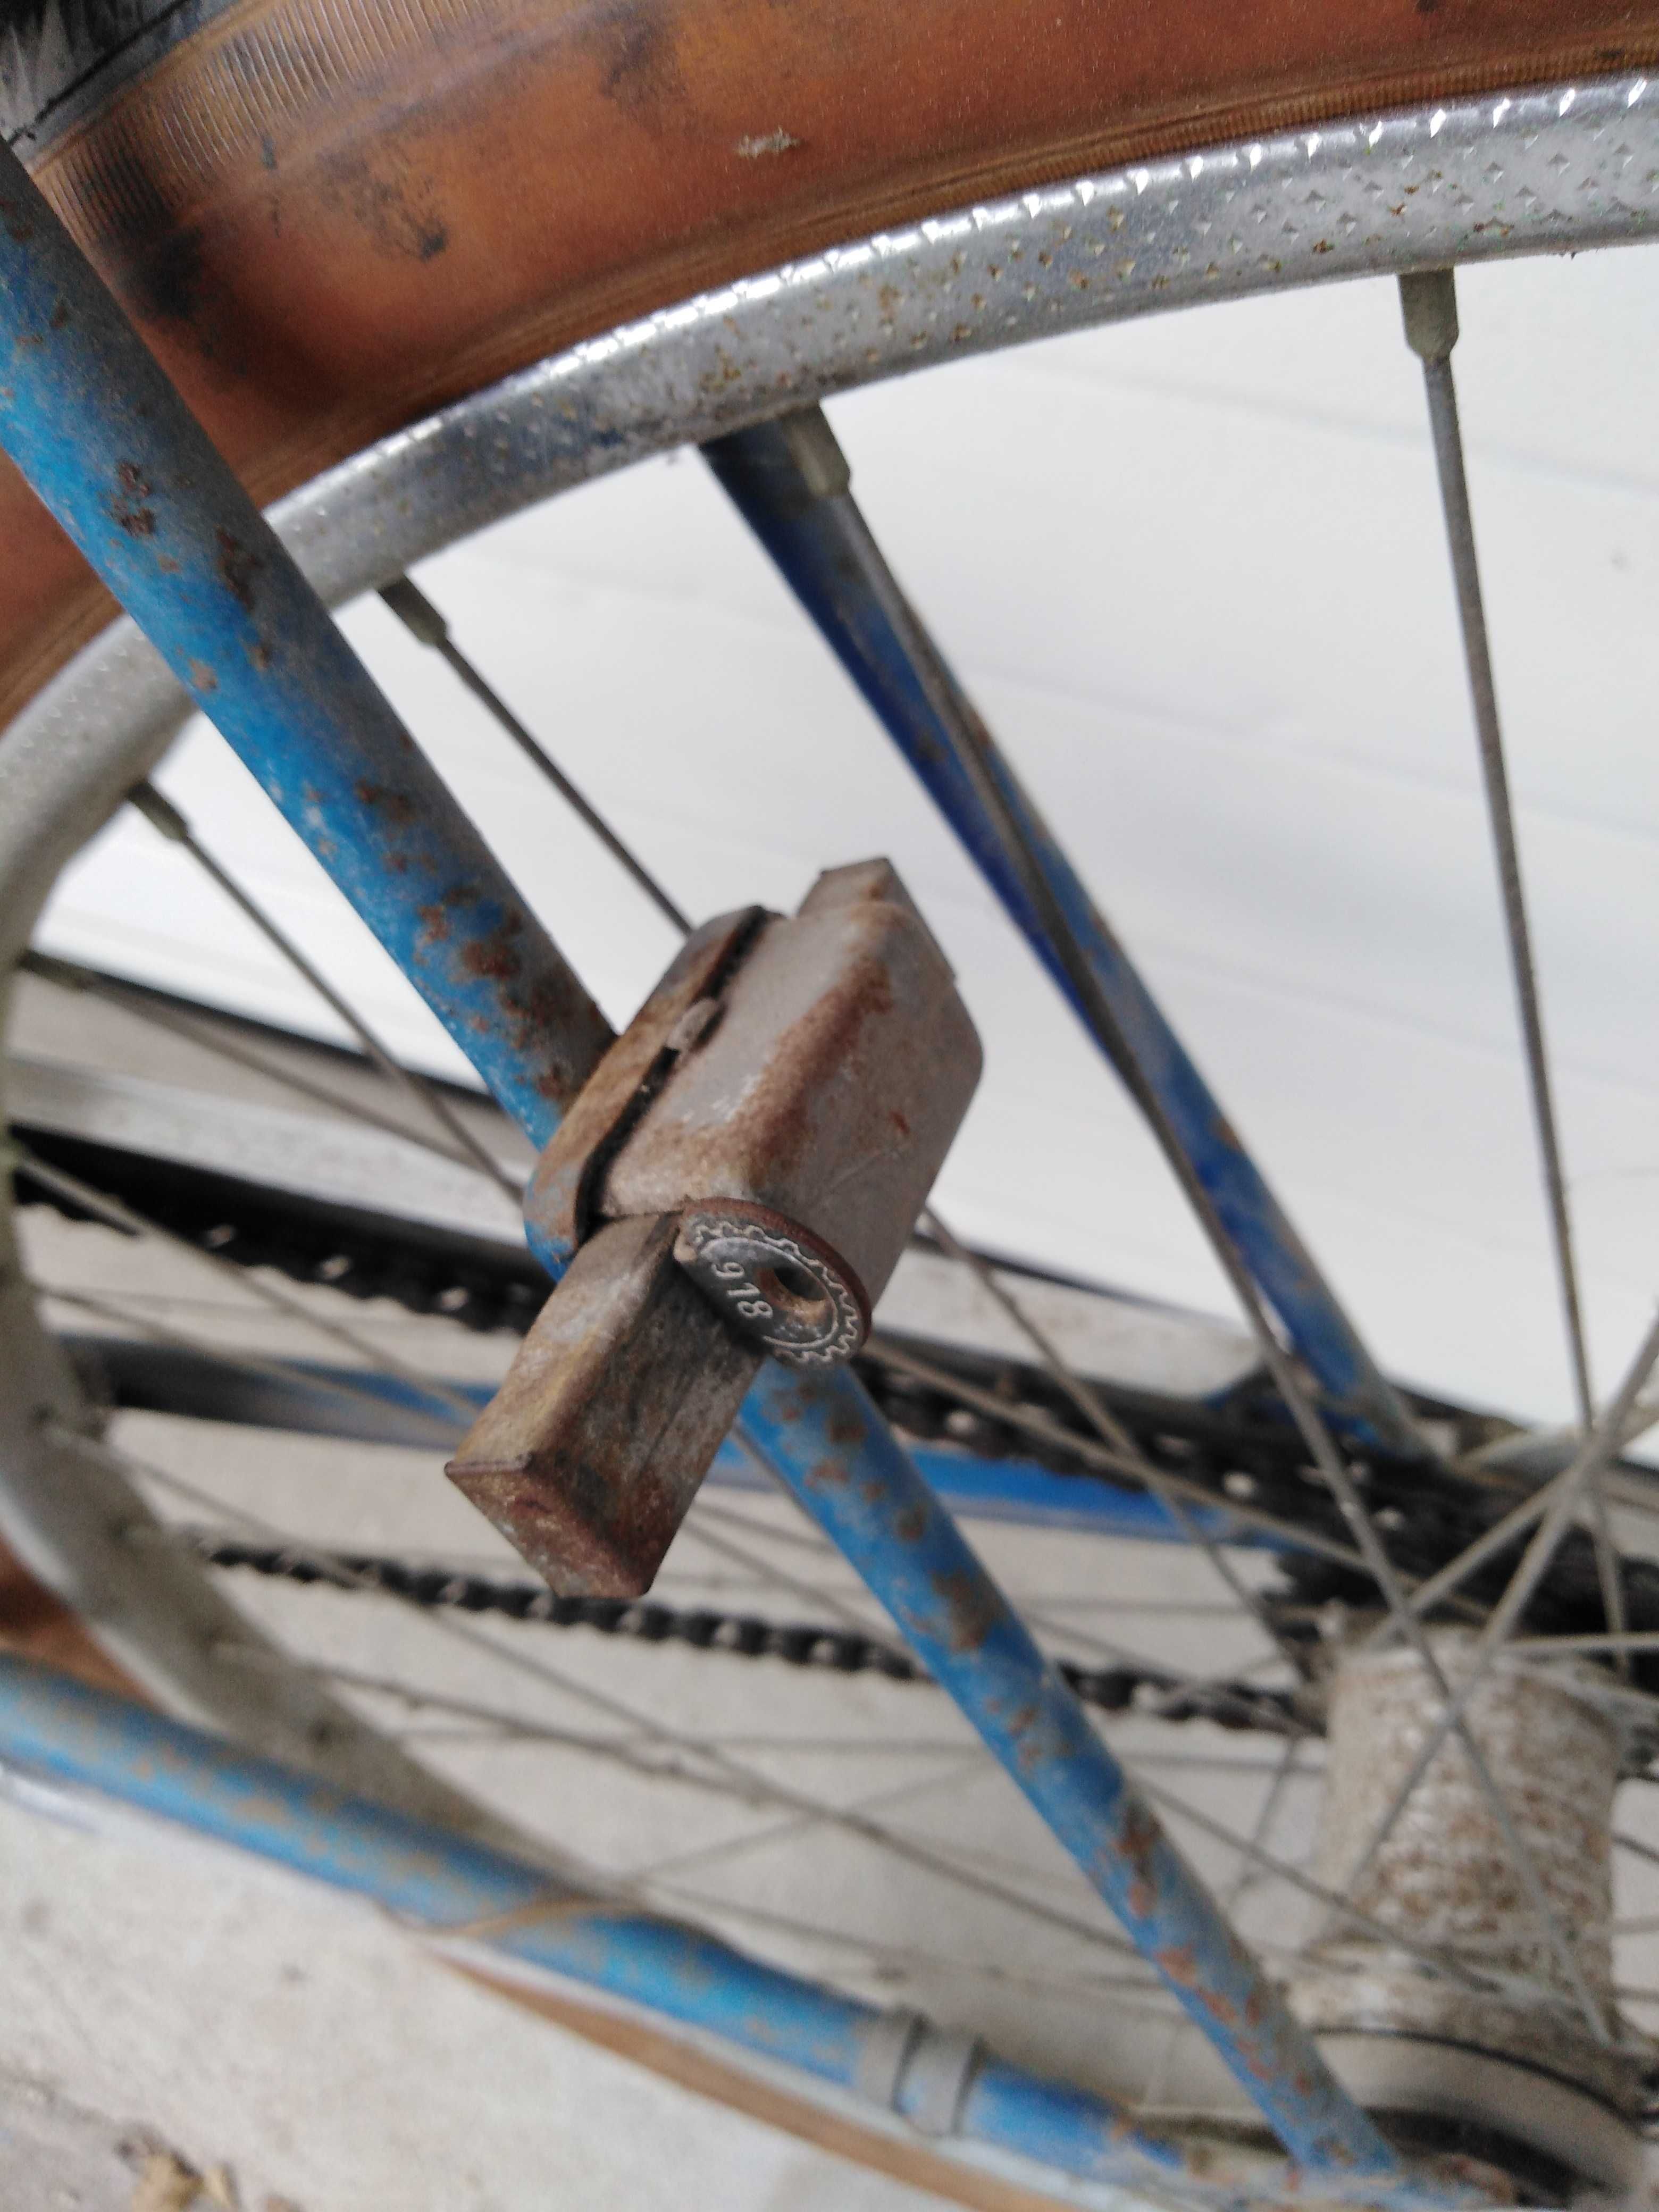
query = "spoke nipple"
x=1428 y=301
x=816 y=452
x=415 y=611
x=161 y=813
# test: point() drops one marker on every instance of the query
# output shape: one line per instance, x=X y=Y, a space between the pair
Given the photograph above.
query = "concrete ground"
x=166 y=1999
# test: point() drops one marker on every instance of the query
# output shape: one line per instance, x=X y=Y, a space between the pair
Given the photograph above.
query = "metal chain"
x=746 y=1635
x=1241 y=1456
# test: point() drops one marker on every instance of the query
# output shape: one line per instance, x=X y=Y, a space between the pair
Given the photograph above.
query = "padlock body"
x=831 y=1086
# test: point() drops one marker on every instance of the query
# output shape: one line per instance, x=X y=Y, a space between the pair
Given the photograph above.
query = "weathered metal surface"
x=818 y=1067
x=1446 y=1879
x=588 y=1456
x=562 y=1201
x=831 y=1447
x=89 y=417
x=830 y=1087
x=814 y=532
x=448 y=1887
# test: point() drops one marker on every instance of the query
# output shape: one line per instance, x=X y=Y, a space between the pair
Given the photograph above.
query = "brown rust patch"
x=495 y=957
x=127 y=507
x=237 y=566
x=1177 y=1961
x=392 y=806
x=973 y=1607
x=1139 y=1838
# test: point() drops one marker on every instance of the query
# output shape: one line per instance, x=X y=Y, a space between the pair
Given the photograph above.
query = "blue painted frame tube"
x=819 y=542
x=63 y=1731
x=90 y=418
x=91 y=421
x=832 y=1448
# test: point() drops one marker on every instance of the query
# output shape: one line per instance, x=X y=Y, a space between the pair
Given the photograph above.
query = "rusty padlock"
x=738 y=1179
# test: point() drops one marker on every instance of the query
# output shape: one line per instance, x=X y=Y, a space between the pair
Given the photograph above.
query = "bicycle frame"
x=94 y=425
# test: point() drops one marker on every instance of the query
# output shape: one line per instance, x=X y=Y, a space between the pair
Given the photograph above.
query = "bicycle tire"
x=328 y=219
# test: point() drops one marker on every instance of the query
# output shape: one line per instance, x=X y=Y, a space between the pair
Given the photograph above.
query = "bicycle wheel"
x=369 y=493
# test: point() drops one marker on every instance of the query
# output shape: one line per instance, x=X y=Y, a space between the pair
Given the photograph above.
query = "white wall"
x=1192 y=571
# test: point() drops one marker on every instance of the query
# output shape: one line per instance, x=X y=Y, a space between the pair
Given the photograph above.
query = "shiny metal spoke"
x=1635 y=1639
x=1253 y=1854
x=1428 y=304
x=108 y=1309
x=115 y=1214
x=1250 y=1868
x=1045 y=1430
x=884 y=1953
x=429 y=627
x=775 y=1577
x=803 y=1810
x=1111 y=1432
x=1562 y=1502
x=68 y=975
x=162 y=815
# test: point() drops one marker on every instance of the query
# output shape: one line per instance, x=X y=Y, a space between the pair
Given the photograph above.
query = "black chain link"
x=1243 y=1452
x=746 y=1635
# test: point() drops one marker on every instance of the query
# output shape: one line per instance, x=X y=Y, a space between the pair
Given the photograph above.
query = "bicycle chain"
x=1244 y=1451
x=747 y=1636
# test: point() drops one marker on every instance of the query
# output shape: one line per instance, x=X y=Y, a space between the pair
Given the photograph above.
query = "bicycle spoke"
x=1250 y=1871
x=117 y=1214
x=1563 y=1499
x=339 y=1385
x=1428 y=304
x=1084 y=1986
x=1111 y=1431
x=770 y=1577
x=791 y=482
x=162 y=815
x=1640 y=1639
x=1046 y=1431
x=804 y=1809
x=68 y=977
x=1344 y=1907
x=429 y=627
